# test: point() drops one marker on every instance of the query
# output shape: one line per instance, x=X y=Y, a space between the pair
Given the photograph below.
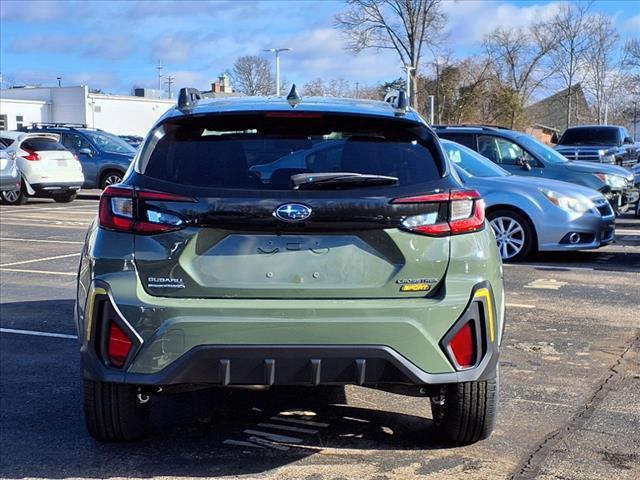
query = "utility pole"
x=170 y=81
x=409 y=68
x=357 y=89
x=159 y=68
x=59 y=81
x=635 y=120
x=277 y=52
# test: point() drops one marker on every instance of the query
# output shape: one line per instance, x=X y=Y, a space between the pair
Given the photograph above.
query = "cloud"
x=43 y=10
x=45 y=43
x=633 y=24
x=470 y=20
x=109 y=47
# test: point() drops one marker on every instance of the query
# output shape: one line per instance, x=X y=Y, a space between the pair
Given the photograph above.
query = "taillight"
x=465 y=213
x=121 y=210
x=463 y=346
x=32 y=155
x=119 y=345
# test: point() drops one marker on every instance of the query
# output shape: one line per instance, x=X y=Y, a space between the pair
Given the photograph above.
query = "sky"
x=114 y=45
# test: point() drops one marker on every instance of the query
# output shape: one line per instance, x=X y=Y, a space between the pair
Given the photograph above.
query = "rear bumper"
x=55 y=187
x=273 y=365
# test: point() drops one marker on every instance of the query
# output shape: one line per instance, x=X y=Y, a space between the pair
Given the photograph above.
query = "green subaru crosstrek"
x=360 y=259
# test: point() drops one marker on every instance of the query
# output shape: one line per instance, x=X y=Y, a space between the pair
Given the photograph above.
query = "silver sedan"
x=9 y=174
x=529 y=214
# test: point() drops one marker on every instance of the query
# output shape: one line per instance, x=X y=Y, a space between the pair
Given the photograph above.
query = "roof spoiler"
x=398 y=100
x=188 y=98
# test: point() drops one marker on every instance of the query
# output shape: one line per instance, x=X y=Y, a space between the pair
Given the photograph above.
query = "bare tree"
x=252 y=75
x=632 y=52
x=571 y=27
x=406 y=26
x=517 y=57
x=604 y=70
x=332 y=88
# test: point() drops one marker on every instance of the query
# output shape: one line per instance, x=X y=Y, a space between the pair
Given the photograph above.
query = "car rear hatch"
x=345 y=225
x=54 y=161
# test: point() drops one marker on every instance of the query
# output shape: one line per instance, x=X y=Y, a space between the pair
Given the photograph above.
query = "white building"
x=122 y=115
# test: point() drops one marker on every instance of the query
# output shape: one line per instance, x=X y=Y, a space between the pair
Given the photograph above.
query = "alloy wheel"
x=510 y=236
x=112 y=179
x=11 y=195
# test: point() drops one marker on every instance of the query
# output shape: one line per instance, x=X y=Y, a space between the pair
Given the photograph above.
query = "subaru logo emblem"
x=292 y=212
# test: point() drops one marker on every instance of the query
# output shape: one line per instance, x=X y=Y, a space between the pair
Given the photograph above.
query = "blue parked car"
x=104 y=157
x=529 y=214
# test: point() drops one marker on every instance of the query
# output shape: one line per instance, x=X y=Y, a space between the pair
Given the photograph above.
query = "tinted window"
x=75 y=142
x=591 y=136
x=465 y=139
x=502 y=151
x=109 y=143
x=546 y=153
x=263 y=151
x=41 y=144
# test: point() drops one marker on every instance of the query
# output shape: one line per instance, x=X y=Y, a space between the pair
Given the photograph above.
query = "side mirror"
x=521 y=161
x=86 y=151
x=554 y=138
x=627 y=140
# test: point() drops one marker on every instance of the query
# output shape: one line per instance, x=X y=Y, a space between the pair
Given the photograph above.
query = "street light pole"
x=409 y=68
x=59 y=81
x=277 y=52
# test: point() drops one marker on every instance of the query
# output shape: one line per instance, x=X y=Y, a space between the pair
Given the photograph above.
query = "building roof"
x=551 y=111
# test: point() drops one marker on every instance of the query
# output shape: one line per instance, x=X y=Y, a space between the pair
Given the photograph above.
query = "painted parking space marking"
x=37 y=240
x=519 y=305
x=240 y=443
x=627 y=231
x=39 y=272
x=547 y=267
x=546 y=284
x=273 y=436
x=288 y=428
x=35 y=333
x=35 y=260
x=70 y=225
x=300 y=422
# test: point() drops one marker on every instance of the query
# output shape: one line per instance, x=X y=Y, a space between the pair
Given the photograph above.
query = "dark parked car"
x=522 y=154
x=599 y=143
x=104 y=157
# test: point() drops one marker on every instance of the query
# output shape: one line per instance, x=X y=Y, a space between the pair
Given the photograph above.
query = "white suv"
x=48 y=169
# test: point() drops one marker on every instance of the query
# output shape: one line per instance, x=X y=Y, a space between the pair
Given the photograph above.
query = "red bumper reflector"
x=119 y=346
x=463 y=346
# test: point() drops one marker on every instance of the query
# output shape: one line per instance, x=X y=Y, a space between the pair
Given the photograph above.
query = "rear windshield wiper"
x=310 y=181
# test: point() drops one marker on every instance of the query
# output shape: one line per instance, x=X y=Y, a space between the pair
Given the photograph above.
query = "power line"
x=169 y=82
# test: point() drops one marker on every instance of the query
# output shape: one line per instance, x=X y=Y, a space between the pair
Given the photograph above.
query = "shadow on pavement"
x=43 y=435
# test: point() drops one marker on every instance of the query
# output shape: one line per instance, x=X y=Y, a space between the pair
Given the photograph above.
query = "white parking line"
x=273 y=436
x=546 y=284
x=240 y=443
x=288 y=428
x=39 y=272
x=75 y=225
x=546 y=267
x=41 y=209
x=37 y=334
x=627 y=231
x=39 y=240
x=300 y=422
x=519 y=305
x=23 y=262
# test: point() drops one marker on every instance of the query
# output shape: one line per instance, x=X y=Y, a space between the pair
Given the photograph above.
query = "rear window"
x=41 y=144
x=264 y=151
x=591 y=136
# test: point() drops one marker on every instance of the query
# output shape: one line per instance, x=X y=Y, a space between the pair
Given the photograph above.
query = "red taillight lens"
x=120 y=210
x=32 y=155
x=119 y=346
x=465 y=213
x=463 y=346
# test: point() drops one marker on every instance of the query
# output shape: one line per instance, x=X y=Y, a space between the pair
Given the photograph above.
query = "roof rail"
x=188 y=98
x=484 y=126
x=57 y=124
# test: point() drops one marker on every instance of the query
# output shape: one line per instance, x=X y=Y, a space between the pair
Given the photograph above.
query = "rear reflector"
x=465 y=213
x=463 y=346
x=119 y=346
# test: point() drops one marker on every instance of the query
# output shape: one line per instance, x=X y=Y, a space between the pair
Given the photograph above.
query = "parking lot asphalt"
x=570 y=379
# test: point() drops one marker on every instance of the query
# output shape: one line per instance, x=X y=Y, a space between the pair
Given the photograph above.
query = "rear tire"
x=110 y=177
x=466 y=412
x=113 y=411
x=14 y=197
x=64 y=197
